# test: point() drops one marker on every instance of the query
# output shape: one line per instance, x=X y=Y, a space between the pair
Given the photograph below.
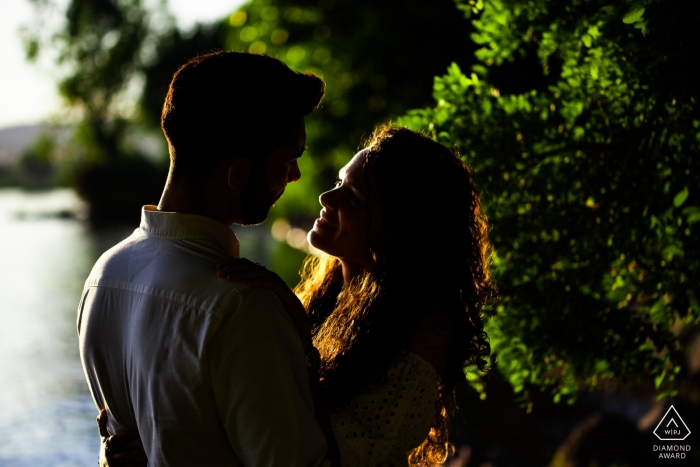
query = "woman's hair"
x=432 y=265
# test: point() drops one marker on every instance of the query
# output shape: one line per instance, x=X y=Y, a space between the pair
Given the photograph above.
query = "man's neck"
x=182 y=197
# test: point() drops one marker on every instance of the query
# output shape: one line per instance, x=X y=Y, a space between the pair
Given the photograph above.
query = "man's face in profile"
x=268 y=181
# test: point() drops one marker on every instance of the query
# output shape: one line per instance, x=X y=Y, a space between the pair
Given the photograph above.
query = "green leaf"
x=587 y=40
x=633 y=15
x=454 y=69
x=693 y=213
x=593 y=31
x=31 y=48
x=680 y=198
x=486 y=106
x=480 y=70
x=659 y=379
x=642 y=25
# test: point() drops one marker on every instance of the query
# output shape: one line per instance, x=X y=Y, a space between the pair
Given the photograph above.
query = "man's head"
x=241 y=115
x=270 y=176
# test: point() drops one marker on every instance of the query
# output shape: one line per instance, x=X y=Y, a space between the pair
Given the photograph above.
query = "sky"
x=28 y=91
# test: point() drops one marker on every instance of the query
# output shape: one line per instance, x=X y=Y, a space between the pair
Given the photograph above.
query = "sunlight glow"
x=28 y=92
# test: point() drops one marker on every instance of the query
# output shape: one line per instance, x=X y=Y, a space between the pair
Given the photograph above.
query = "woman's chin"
x=315 y=239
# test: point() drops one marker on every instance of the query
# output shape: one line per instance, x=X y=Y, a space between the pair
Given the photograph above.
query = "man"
x=211 y=373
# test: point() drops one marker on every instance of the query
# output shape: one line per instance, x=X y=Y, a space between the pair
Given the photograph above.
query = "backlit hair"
x=434 y=263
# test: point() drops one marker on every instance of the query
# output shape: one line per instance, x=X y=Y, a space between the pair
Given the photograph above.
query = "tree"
x=98 y=49
x=100 y=52
x=579 y=119
x=377 y=58
x=591 y=181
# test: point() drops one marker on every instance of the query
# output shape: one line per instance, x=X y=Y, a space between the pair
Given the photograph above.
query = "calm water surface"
x=47 y=416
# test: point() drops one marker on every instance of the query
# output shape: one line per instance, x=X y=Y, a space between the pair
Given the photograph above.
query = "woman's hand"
x=255 y=276
x=123 y=449
x=431 y=340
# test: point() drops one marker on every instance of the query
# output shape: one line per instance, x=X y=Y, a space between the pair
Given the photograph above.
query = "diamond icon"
x=671 y=427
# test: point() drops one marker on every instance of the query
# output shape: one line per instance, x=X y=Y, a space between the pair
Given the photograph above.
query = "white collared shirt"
x=212 y=373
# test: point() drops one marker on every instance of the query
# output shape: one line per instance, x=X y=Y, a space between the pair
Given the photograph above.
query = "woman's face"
x=348 y=211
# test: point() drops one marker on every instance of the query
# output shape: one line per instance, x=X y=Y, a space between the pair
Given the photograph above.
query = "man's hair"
x=233 y=104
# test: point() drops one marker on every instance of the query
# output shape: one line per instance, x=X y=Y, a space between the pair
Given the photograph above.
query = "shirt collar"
x=192 y=226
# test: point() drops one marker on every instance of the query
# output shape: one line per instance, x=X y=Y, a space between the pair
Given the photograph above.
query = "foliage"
x=378 y=61
x=99 y=50
x=591 y=181
x=35 y=168
x=579 y=119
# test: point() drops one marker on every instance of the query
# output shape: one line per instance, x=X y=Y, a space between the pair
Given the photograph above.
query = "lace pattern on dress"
x=380 y=427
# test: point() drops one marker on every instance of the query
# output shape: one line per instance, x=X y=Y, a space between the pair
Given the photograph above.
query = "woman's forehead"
x=356 y=162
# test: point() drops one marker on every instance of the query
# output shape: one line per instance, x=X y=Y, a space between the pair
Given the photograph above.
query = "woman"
x=395 y=305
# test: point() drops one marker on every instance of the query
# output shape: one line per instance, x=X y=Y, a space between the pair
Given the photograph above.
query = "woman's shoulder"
x=431 y=339
x=410 y=382
x=409 y=369
x=412 y=364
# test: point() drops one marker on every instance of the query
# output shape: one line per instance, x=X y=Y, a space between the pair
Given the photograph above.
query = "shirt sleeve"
x=261 y=387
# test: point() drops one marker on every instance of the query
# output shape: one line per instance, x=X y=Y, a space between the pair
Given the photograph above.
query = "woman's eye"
x=351 y=196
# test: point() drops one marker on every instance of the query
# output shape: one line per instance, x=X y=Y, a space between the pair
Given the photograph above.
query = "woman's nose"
x=326 y=199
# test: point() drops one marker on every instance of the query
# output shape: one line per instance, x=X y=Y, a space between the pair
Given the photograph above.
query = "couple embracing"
x=206 y=359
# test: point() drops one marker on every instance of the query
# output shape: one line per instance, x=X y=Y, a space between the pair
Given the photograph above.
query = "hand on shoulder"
x=431 y=340
x=255 y=275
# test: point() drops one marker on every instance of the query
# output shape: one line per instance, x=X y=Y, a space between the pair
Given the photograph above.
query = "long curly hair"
x=433 y=264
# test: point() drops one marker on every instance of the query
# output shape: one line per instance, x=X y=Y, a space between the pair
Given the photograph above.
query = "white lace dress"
x=380 y=427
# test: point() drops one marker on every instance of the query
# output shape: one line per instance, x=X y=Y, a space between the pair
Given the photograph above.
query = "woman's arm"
x=254 y=275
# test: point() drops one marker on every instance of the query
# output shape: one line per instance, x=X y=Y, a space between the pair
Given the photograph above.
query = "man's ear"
x=239 y=172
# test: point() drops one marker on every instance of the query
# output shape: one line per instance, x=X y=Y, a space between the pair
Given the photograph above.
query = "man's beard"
x=257 y=199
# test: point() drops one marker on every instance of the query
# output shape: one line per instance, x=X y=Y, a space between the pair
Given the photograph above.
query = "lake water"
x=47 y=416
